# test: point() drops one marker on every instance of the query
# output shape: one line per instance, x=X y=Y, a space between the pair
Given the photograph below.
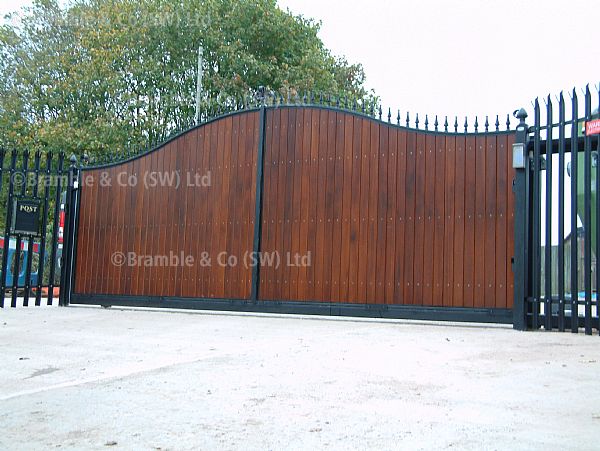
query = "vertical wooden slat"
x=490 y=222
x=470 y=199
x=118 y=279
x=191 y=216
x=281 y=201
x=134 y=224
x=410 y=215
x=286 y=213
x=305 y=201
x=187 y=195
x=231 y=157
x=401 y=245
x=173 y=230
x=92 y=248
x=101 y=239
x=355 y=212
x=320 y=215
x=449 y=217
x=480 y=221
x=105 y=237
x=167 y=231
x=338 y=205
x=266 y=230
x=214 y=207
x=192 y=288
x=176 y=196
x=439 y=220
x=373 y=213
x=312 y=219
x=381 y=218
x=253 y=142
x=220 y=227
x=238 y=160
x=392 y=263
x=154 y=221
x=225 y=228
x=420 y=219
x=363 y=264
x=158 y=275
x=178 y=192
x=328 y=218
x=242 y=195
x=459 y=223
x=163 y=241
x=140 y=232
x=296 y=220
x=205 y=234
x=210 y=218
x=429 y=219
x=502 y=254
x=346 y=216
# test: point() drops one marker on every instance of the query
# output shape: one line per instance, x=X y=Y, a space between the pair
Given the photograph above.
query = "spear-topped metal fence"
x=556 y=227
x=30 y=271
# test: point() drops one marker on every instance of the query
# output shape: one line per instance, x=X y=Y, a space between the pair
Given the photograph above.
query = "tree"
x=101 y=75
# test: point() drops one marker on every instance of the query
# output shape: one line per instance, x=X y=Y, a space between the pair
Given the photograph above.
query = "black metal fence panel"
x=557 y=187
x=33 y=211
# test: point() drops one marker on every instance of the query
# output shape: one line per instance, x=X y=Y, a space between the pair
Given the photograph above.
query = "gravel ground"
x=88 y=378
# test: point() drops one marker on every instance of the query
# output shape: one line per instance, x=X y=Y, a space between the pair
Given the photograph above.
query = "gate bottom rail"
x=457 y=314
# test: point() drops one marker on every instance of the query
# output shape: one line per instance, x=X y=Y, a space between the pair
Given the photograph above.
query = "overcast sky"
x=458 y=57
x=463 y=57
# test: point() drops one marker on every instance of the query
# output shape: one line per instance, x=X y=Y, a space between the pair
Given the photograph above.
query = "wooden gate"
x=346 y=215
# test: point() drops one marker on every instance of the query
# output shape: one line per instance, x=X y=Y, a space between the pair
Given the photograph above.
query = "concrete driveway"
x=86 y=378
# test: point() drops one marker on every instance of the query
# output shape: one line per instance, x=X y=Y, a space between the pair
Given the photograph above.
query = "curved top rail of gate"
x=397 y=119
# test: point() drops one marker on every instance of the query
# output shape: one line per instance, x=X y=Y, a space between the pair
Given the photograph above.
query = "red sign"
x=592 y=127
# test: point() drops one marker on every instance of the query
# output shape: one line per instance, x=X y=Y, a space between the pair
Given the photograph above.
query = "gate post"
x=66 y=275
x=521 y=189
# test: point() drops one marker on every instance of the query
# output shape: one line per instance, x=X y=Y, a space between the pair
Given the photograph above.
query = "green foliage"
x=102 y=75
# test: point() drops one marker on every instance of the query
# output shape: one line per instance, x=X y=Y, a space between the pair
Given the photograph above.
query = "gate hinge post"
x=69 y=233
x=522 y=164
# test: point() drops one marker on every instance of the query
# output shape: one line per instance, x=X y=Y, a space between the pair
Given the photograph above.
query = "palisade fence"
x=557 y=215
x=30 y=272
